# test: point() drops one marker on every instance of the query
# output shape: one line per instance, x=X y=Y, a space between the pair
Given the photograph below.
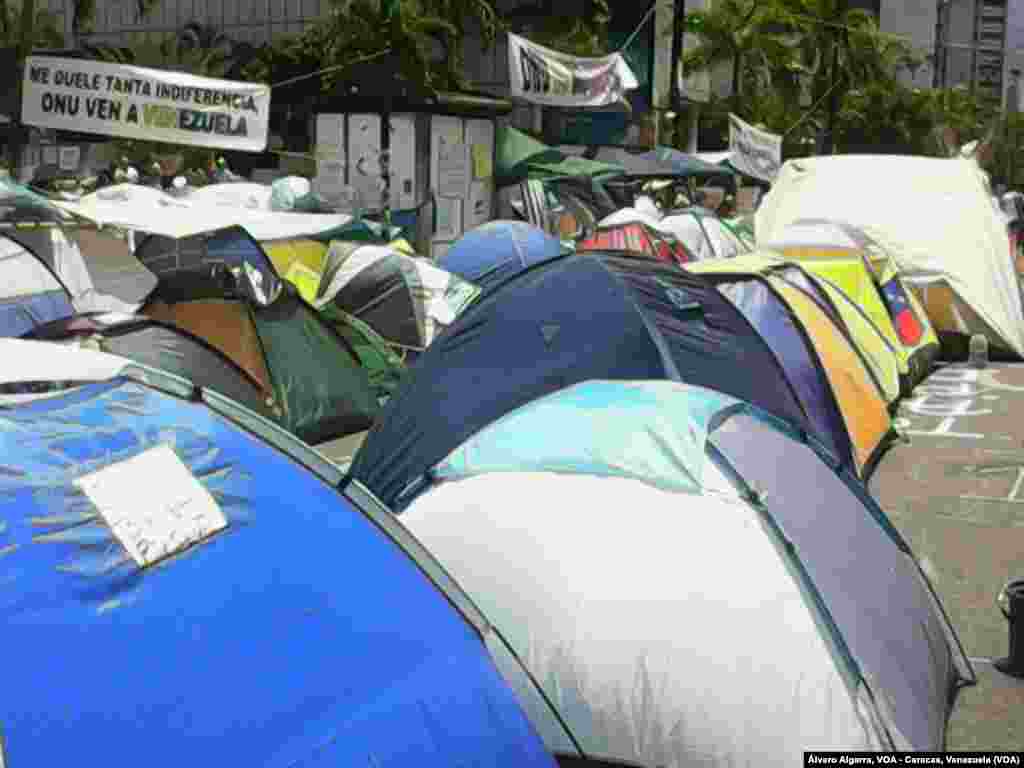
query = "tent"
x=300 y=262
x=31 y=294
x=38 y=225
x=582 y=317
x=405 y=299
x=846 y=257
x=934 y=218
x=494 y=253
x=222 y=634
x=304 y=368
x=139 y=338
x=703 y=234
x=836 y=387
x=871 y=343
x=631 y=230
x=656 y=649
x=519 y=156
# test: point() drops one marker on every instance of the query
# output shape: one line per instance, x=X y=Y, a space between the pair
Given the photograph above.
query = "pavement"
x=956 y=492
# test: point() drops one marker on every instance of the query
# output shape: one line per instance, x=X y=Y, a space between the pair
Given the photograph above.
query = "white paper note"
x=153 y=504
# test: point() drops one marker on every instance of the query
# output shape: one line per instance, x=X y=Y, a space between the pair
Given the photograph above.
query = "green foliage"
x=781 y=48
x=47 y=32
x=585 y=35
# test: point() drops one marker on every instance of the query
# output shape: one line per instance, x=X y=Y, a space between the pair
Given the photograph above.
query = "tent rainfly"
x=565 y=322
x=222 y=632
x=647 y=629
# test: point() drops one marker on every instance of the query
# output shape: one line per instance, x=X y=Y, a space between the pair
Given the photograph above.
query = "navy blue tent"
x=494 y=253
x=586 y=316
x=305 y=631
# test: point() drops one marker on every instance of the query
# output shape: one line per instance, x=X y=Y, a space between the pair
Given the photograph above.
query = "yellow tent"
x=860 y=403
x=832 y=379
x=853 y=262
x=870 y=342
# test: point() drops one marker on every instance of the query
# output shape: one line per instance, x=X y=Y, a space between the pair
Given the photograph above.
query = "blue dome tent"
x=496 y=252
x=254 y=630
x=581 y=317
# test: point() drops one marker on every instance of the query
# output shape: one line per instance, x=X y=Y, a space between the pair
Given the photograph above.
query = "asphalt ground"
x=956 y=492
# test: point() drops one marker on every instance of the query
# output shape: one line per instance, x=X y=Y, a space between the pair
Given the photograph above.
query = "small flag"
x=908 y=327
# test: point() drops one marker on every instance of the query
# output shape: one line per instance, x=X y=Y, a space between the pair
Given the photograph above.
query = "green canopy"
x=520 y=156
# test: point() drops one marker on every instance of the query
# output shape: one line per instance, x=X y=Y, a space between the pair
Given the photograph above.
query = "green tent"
x=519 y=156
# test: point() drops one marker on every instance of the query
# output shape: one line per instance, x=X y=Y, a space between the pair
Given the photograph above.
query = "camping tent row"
x=853 y=277
x=213 y=307
x=750 y=421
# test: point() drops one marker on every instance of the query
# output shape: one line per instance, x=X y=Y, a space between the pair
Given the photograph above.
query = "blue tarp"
x=21 y=314
x=586 y=316
x=299 y=635
x=496 y=252
x=771 y=317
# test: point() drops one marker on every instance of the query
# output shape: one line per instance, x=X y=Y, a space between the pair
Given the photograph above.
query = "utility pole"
x=829 y=145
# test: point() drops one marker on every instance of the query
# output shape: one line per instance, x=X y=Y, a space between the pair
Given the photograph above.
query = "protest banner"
x=145 y=104
x=754 y=152
x=549 y=78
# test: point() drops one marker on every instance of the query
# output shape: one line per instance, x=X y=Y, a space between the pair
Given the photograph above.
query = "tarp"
x=494 y=253
x=565 y=322
x=519 y=156
x=933 y=216
x=206 y=653
x=598 y=624
x=659 y=162
x=144 y=209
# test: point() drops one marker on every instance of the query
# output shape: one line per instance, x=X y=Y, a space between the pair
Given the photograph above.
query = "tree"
x=839 y=47
x=84 y=14
x=46 y=31
x=743 y=33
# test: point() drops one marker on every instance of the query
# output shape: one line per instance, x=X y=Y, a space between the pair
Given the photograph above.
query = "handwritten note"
x=153 y=504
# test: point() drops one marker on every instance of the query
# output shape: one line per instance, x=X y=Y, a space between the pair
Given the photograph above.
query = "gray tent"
x=715 y=593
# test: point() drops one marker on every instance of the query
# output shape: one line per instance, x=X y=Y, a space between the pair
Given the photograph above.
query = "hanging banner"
x=145 y=104
x=543 y=76
x=754 y=152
